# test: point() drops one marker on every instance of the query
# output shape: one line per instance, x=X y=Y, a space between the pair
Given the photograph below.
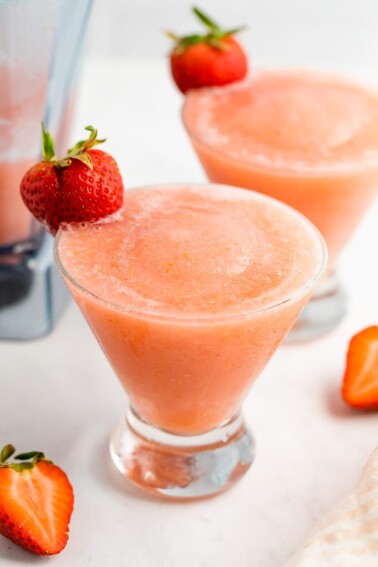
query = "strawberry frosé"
x=189 y=291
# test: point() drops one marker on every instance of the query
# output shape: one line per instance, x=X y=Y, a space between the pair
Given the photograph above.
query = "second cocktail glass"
x=189 y=290
x=305 y=138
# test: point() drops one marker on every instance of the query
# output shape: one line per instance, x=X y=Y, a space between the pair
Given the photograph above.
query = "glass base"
x=323 y=312
x=181 y=466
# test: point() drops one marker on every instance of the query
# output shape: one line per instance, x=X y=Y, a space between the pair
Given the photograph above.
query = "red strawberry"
x=36 y=502
x=84 y=186
x=360 y=386
x=213 y=59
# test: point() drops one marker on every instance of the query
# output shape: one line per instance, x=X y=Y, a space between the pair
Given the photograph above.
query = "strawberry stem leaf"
x=234 y=31
x=205 y=19
x=78 y=151
x=48 y=146
x=213 y=36
x=85 y=158
x=171 y=35
x=19 y=467
x=30 y=455
x=29 y=460
x=6 y=453
x=84 y=145
x=218 y=44
x=76 y=148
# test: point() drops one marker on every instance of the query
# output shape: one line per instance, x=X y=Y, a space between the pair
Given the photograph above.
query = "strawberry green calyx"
x=6 y=453
x=48 y=146
x=29 y=460
x=78 y=151
x=214 y=36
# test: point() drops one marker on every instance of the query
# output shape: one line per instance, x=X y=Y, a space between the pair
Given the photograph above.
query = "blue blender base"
x=32 y=294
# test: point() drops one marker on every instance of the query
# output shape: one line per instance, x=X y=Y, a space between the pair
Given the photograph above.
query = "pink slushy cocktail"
x=307 y=139
x=189 y=291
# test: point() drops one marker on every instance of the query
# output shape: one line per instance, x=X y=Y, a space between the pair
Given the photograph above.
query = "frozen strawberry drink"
x=189 y=291
x=307 y=139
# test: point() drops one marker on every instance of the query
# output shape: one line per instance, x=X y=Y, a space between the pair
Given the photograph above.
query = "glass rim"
x=206 y=318
x=334 y=169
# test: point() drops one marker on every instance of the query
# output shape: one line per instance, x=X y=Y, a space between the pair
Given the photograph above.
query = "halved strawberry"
x=36 y=502
x=214 y=58
x=360 y=385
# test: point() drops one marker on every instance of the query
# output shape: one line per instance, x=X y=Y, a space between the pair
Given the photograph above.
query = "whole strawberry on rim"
x=84 y=186
x=215 y=58
x=36 y=502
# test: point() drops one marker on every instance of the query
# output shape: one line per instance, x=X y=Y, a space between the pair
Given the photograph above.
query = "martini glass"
x=307 y=139
x=189 y=290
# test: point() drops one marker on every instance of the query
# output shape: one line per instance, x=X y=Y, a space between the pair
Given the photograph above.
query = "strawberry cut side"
x=360 y=384
x=36 y=504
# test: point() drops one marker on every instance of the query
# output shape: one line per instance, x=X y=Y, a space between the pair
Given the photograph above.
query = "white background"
x=281 y=32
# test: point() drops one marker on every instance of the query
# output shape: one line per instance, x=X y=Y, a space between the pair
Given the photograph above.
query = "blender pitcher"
x=40 y=46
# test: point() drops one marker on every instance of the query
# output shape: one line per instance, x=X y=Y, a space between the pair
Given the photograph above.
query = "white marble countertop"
x=58 y=393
